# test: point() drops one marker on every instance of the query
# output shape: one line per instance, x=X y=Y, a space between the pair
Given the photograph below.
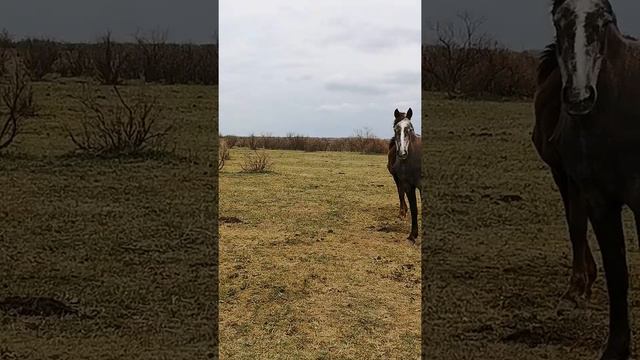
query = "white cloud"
x=326 y=68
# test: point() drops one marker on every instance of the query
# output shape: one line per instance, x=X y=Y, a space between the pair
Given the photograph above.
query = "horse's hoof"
x=618 y=347
x=573 y=306
x=618 y=354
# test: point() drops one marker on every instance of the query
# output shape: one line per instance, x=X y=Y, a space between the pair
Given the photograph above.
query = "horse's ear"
x=396 y=113
x=556 y=5
x=409 y=113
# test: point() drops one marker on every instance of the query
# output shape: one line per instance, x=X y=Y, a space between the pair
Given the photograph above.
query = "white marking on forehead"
x=404 y=144
x=583 y=55
x=404 y=123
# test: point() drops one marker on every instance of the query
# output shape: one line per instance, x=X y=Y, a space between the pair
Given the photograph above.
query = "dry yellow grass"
x=318 y=267
x=128 y=241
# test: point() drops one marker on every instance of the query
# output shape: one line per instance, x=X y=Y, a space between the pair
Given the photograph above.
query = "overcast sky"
x=520 y=24
x=318 y=68
x=84 y=20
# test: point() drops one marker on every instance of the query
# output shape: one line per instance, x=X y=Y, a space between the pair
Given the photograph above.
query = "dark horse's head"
x=404 y=132
x=581 y=42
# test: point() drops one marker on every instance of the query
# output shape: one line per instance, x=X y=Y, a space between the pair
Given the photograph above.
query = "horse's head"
x=581 y=37
x=403 y=132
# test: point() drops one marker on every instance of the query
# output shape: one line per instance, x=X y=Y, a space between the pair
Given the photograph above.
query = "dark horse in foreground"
x=588 y=131
x=404 y=162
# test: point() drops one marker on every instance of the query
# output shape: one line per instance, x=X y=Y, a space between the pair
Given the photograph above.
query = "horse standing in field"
x=588 y=131
x=404 y=164
x=391 y=159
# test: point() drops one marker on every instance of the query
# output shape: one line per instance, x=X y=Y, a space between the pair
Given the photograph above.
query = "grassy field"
x=497 y=255
x=313 y=261
x=128 y=243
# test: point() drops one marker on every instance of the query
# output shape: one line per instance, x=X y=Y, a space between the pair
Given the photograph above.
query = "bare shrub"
x=456 y=50
x=153 y=50
x=38 y=56
x=462 y=61
x=6 y=50
x=231 y=141
x=127 y=128
x=257 y=162
x=364 y=142
x=223 y=153
x=76 y=61
x=18 y=104
x=252 y=142
x=109 y=59
x=367 y=143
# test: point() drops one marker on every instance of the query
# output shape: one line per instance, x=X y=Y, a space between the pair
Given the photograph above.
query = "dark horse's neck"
x=619 y=80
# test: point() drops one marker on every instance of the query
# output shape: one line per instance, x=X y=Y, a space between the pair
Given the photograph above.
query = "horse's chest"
x=601 y=162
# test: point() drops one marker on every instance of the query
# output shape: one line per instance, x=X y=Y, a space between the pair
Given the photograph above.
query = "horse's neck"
x=624 y=61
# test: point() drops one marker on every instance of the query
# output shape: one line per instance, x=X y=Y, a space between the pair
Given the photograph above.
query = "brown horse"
x=391 y=159
x=404 y=164
x=588 y=131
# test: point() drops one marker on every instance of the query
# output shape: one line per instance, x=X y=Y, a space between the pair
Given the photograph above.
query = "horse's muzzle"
x=576 y=104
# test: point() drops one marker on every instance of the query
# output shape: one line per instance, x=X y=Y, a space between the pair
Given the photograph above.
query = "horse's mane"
x=548 y=62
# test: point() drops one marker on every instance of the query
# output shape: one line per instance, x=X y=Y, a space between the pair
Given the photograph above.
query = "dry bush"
x=252 y=142
x=464 y=62
x=257 y=161
x=38 y=56
x=127 y=128
x=231 y=141
x=7 y=48
x=150 y=56
x=17 y=103
x=109 y=59
x=75 y=61
x=223 y=153
x=366 y=142
x=152 y=49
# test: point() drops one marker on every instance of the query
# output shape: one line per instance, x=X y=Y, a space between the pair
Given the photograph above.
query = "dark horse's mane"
x=548 y=62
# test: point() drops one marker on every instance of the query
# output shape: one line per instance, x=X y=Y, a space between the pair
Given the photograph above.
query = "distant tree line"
x=149 y=57
x=363 y=141
x=461 y=61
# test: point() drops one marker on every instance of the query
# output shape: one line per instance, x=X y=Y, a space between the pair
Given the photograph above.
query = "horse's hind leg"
x=607 y=225
x=413 y=204
x=403 y=204
x=584 y=270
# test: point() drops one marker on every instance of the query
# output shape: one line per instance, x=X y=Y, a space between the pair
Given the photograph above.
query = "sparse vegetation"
x=109 y=59
x=148 y=56
x=130 y=127
x=223 y=153
x=257 y=161
x=329 y=273
x=130 y=242
x=38 y=56
x=363 y=142
x=463 y=61
x=17 y=102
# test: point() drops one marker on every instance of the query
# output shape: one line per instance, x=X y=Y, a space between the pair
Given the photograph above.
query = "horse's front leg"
x=584 y=269
x=403 y=204
x=413 y=205
x=607 y=225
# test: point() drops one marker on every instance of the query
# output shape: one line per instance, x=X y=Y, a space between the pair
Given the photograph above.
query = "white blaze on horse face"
x=584 y=62
x=402 y=143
